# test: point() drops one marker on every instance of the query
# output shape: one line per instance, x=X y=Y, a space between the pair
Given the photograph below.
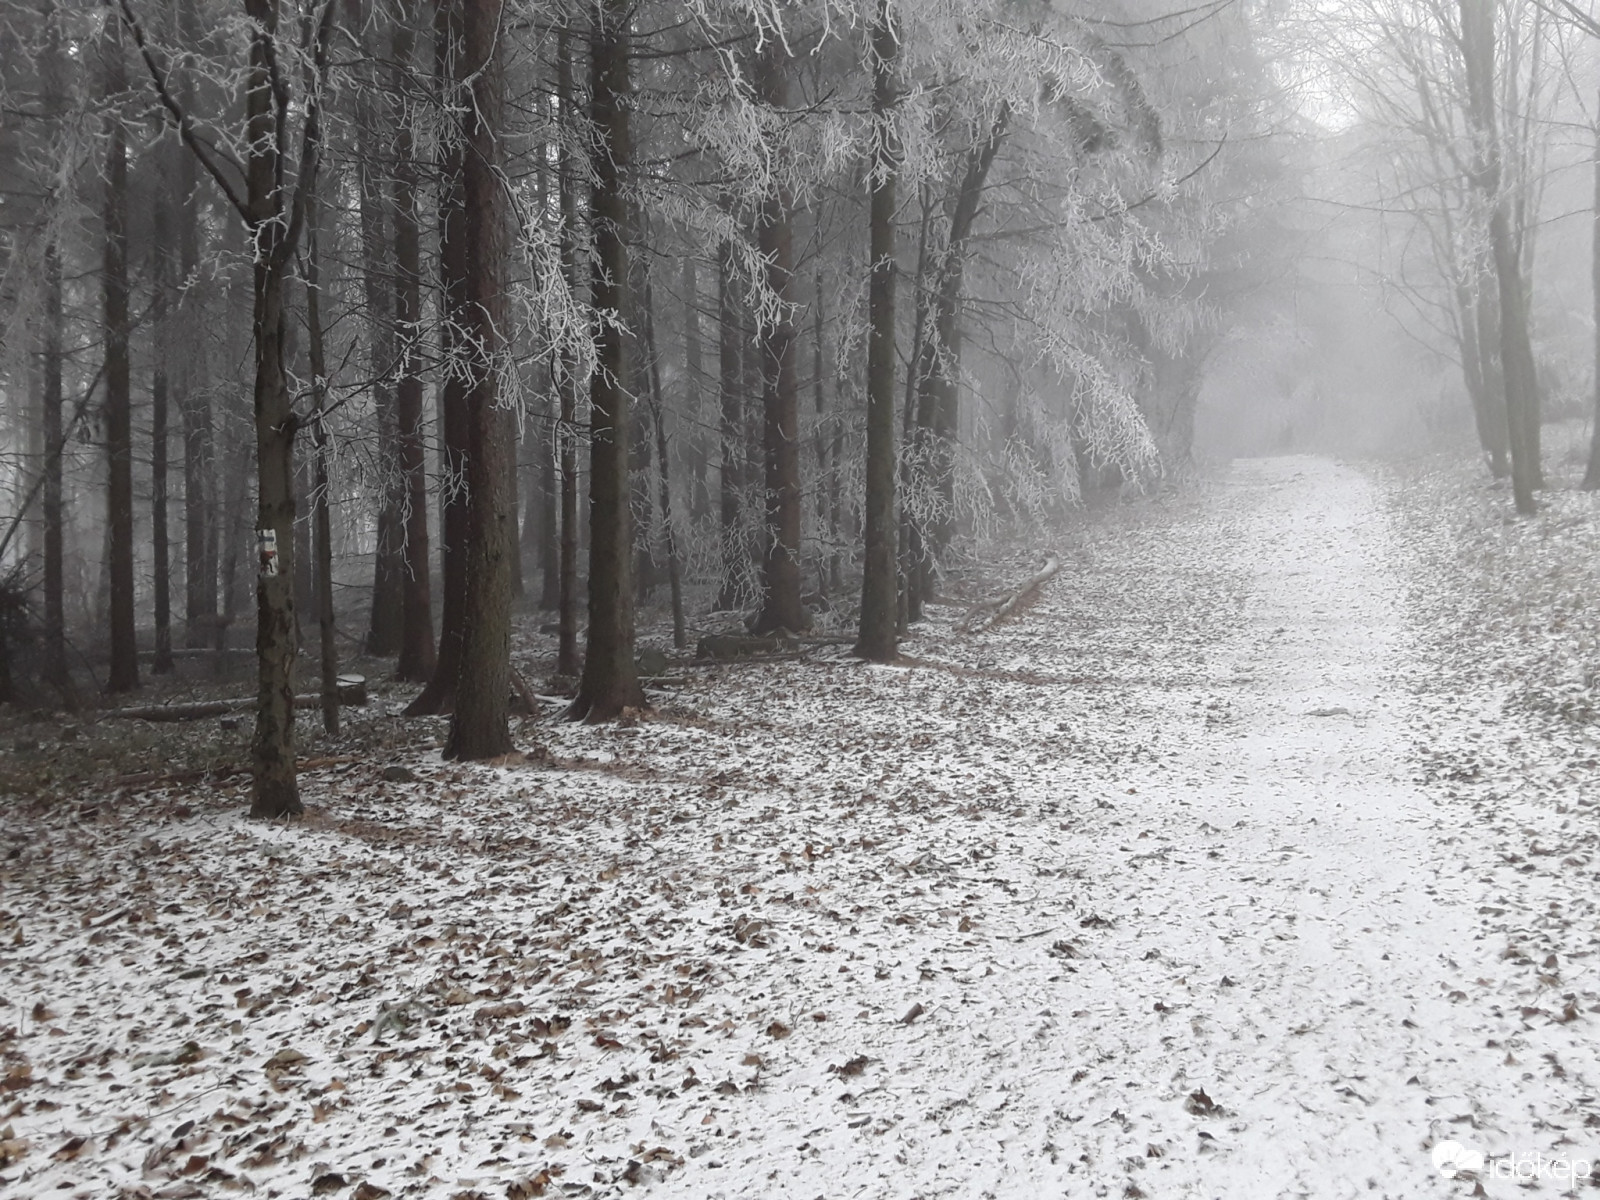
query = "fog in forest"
x=1123 y=248
x=1029 y=469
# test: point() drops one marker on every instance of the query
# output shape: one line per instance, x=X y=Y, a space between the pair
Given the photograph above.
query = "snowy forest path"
x=1216 y=872
x=1313 y=941
x=1302 y=915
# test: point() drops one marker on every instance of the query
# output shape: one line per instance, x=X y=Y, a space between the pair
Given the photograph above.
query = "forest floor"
x=1257 y=858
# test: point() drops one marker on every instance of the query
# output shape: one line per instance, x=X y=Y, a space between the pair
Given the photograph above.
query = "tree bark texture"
x=730 y=430
x=123 y=675
x=567 y=382
x=1516 y=349
x=879 y=601
x=386 y=619
x=160 y=396
x=939 y=373
x=479 y=722
x=780 y=385
x=321 y=521
x=610 y=681
x=438 y=696
x=669 y=535
x=1591 y=474
x=417 y=654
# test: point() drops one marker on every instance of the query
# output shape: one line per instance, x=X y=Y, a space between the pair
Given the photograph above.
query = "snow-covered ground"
x=1239 y=865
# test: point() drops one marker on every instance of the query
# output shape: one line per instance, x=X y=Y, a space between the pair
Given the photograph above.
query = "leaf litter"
x=1095 y=902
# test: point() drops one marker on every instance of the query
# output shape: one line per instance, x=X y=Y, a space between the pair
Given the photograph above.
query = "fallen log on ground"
x=352 y=690
x=724 y=647
x=991 y=612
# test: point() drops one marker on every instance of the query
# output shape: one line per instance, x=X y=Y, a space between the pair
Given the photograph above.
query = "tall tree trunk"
x=567 y=378
x=730 y=433
x=55 y=641
x=201 y=505
x=914 y=475
x=161 y=286
x=680 y=636
x=386 y=624
x=124 y=671
x=479 y=722
x=639 y=500
x=275 y=222
x=417 y=655
x=939 y=372
x=1591 y=474
x=53 y=69
x=1516 y=358
x=233 y=531
x=780 y=391
x=827 y=562
x=1486 y=318
x=321 y=522
x=610 y=681
x=541 y=531
x=879 y=603
x=699 y=496
x=1488 y=422
x=439 y=694
x=513 y=484
x=1516 y=349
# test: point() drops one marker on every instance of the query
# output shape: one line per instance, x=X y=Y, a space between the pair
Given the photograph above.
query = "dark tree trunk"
x=275 y=791
x=124 y=671
x=1591 y=474
x=201 y=504
x=680 y=636
x=699 y=496
x=544 y=478
x=513 y=484
x=828 y=561
x=542 y=530
x=780 y=391
x=914 y=476
x=939 y=374
x=55 y=642
x=385 y=628
x=321 y=523
x=567 y=380
x=610 y=681
x=643 y=514
x=416 y=616
x=479 y=722
x=879 y=603
x=439 y=694
x=233 y=532
x=161 y=285
x=1516 y=350
x=731 y=436
x=55 y=672
x=274 y=220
